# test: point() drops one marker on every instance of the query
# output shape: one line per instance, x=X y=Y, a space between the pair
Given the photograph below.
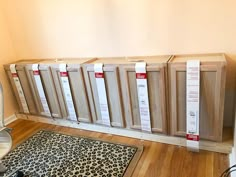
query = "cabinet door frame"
x=106 y=68
x=35 y=91
x=33 y=87
x=162 y=92
x=71 y=69
x=219 y=69
x=14 y=89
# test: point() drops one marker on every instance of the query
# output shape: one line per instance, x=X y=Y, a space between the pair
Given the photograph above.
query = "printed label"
x=19 y=88
x=67 y=91
x=102 y=95
x=141 y=79
x=40 y=89
x=192 y=106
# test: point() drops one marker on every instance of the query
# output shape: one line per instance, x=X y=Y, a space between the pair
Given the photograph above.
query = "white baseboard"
x=222 y=147
x=10 y=119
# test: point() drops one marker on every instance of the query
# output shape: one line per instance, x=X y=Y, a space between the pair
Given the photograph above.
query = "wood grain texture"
x=114 y=98
x=55 y=103
x=78 y=91
x=157 y=92
x=25 y=87
x=157 y=160
x=14 y=89
x=32 y=83
x=212 y=90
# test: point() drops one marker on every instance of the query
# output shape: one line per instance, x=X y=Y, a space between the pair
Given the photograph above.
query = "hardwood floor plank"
x=209 y=167
x=177 y=162
x=166 y=167
x=157 y=160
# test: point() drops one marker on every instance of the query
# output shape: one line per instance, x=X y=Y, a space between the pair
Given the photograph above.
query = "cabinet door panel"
x=97 y=118
x=15 y=91
x=27 y=91
x=156 y=93
x=50 y=93
x=79 y=95
x=60 y=95
x=114 y=99
x=211 y=120
x=154 y=97
x=181 y=101
x=32 y=83
x=135 y=121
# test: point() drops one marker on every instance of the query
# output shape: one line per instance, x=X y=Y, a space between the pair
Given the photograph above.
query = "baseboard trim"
x=223 y=147
x=10 y=119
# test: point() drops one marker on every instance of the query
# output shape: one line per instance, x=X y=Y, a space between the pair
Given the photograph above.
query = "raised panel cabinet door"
x=156 y=81
x=211 y=100
x=114 y=99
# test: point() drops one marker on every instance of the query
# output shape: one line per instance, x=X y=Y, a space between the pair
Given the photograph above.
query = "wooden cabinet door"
x=78 y=91
x=25 y=87
x=49 y=90
x=8 y=72
x=212 y=86
x=156 y=80
x=114 y=99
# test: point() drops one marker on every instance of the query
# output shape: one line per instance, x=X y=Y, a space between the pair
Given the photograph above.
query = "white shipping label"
x=142 y=87
x=102 y=95
x=40 y=89
x=67 y=91
x=192 y=103
x=19 y=88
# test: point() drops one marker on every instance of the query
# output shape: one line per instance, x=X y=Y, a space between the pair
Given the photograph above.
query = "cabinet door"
x=212 y=85
x=114 y=99
x=49 y=89
x=157 y=97
x=27 y=91
x=55 y=101
x=8 y=72
x=78 y=92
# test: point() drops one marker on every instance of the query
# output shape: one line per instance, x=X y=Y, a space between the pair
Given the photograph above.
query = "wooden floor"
x=157 y=160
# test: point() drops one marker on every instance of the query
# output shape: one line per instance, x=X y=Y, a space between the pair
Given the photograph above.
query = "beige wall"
x=72 y=28
x=7 y=54
x=49 y=28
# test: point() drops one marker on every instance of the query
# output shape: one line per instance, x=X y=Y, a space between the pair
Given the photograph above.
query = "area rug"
x=53 y=154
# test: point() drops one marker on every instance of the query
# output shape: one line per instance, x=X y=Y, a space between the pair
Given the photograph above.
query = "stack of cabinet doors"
x=212 y=91
x=53 y=89
x=27 y=91
x=166 y=84
x=121 y=89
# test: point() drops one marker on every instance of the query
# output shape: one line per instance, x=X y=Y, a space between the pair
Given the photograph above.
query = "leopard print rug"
x=53 y=154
